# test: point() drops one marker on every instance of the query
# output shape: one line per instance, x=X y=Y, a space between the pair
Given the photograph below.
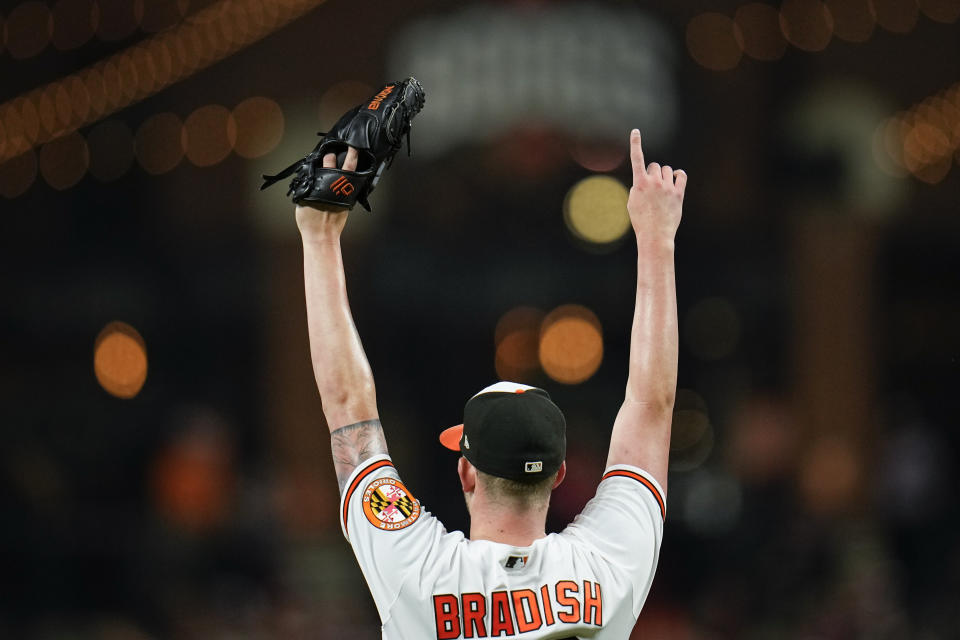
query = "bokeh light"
x=18 y=173
x=853 y=20
x=259 y=124
x=120 y=360
x=158 y=144
x=63 y=161
x=74 y=22
x=111 y=150
x=759 y=28
x=713 y=41
x=713 y=503
x=517 y=340
x=830 y=476
x=214 y=32
x=762 y=440
x=209 y=134
x=340 y=97
x=28 y=29
x=691 y=438
x=898 y=16
x=595 y=210
x=946 y=11
x=712 y=329
x=194 y=477
x=571 y=344
x=598 y=156
x=806 y=24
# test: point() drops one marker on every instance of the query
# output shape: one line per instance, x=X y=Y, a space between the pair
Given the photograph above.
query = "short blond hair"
x=521 y=495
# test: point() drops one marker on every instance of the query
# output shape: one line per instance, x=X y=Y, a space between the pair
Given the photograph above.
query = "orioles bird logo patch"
x=389 y=505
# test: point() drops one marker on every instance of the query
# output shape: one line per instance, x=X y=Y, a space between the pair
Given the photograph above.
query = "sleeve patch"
x=646 y=483
x=353 y=487
x=389 y=505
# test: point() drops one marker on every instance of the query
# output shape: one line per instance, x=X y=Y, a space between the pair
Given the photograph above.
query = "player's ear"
x=468 y=475
x=561 y=474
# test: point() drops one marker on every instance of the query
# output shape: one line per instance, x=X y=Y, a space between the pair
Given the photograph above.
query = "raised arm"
x=340 y=366
x=641 y=432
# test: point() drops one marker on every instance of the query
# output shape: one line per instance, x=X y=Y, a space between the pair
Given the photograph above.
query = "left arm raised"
x=340 y=366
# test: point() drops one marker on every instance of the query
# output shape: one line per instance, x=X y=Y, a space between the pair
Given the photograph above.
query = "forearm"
x=652 y=378
x=340 y=366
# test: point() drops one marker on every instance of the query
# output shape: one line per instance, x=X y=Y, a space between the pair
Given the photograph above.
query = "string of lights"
x=32 y=26
x=718 y=42
x=87 y=96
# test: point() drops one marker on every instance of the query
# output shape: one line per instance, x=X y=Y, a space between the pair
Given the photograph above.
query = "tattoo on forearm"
x=353 y=444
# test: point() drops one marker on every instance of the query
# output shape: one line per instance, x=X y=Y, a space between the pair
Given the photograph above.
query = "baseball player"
x=508 y=578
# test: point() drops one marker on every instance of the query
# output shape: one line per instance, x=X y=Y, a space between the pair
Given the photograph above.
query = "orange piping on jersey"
x=639 y=478
x=353 y=486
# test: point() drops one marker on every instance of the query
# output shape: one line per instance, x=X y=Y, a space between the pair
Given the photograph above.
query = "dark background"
x=817 y=504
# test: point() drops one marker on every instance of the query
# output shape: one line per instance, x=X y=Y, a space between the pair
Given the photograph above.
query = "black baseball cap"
x=511 y=430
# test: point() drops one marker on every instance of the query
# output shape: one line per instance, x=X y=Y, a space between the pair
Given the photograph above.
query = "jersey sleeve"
x=623 y=523
x=390 y=533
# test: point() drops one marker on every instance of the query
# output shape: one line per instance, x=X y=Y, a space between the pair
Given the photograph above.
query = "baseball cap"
x=512 y=431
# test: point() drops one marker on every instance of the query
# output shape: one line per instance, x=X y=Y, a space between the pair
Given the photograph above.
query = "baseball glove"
x=375 y=129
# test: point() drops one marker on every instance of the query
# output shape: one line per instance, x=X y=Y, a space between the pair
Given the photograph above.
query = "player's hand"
x=329 y=221
x=656 y=199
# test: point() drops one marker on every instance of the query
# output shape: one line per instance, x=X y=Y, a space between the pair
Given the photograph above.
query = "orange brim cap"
x=450 y=438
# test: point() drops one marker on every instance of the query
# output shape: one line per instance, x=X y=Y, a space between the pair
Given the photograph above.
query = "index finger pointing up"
x=636 y=156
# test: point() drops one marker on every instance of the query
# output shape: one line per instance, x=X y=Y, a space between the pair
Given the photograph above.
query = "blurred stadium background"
x=164 y=465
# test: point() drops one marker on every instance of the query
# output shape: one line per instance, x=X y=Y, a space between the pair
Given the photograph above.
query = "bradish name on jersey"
x=478 y=615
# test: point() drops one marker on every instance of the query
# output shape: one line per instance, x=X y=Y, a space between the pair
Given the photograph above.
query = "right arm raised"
x=641 y=432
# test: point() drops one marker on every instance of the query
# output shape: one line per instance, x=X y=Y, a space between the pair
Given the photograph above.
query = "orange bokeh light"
x=259 y=123
x=28 y=29
x=120 y=360
x=571 y=344
x=63 y=161
x=158 y=145
x=853 y=20
x=209 y=133
x=18 y=173
x=806 y=24
x=760 y=34
x=713 y=41
x=898 y=16
x=517 y=338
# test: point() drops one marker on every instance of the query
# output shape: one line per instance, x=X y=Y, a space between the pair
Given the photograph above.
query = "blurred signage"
x=589 y=70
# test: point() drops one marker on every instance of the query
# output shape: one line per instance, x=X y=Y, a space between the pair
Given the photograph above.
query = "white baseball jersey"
x=589 y=581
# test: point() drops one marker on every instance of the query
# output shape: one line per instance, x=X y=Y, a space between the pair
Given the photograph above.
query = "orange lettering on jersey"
x=501 y=620
x=592 y=603
x=526 y=610
x=447 y=614
x=564 y=600
x=474 y=607
x=547 y=605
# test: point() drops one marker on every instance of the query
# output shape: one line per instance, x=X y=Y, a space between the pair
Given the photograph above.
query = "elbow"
x=659 y=400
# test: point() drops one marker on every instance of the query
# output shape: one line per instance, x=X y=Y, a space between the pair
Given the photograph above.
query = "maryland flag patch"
x=388 y=505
